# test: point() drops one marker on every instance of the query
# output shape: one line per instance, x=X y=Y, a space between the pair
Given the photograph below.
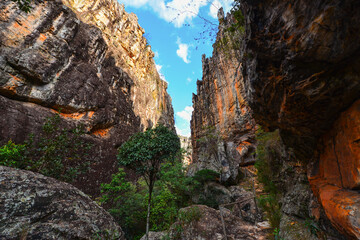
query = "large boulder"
x=33 y=206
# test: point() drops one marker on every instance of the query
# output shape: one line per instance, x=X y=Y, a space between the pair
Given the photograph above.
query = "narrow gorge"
x=274 y=151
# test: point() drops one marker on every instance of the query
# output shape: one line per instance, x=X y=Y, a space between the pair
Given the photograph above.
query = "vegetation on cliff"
x=267 y=166
x=54 y=152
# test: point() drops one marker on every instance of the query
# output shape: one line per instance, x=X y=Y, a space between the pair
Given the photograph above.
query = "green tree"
x=24 y=5
x=144 y=153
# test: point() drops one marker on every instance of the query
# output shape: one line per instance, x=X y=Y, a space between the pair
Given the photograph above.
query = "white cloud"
x=183 y=51
x=156 y=54
x=183 y=131
x=184 y=128
x=177 y=11
x=162 y=76
x=188 y=79
x=214 y=8
x=217 y=4
x=186 y=113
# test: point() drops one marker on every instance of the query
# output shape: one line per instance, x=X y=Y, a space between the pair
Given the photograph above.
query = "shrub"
x=12 y=155
x=127 y=201
x=24 y=5
x=267 y=166
x=57 y=152
x=206 y=175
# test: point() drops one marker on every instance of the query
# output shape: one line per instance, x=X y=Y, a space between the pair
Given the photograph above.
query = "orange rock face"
x=337 y=175
x=222 y=126
x=340 y=159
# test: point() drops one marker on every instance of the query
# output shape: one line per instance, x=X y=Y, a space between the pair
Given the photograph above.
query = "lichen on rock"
x=33 y=206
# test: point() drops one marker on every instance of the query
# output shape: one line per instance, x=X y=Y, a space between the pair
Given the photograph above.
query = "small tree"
x=144 y=153
x=24 y=5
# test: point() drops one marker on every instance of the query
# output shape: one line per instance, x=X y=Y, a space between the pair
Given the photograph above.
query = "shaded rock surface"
x=222 y=127
x=208 y=226
x=301 y=70
x=54 y=61
x=335 y=177
x=33 y=206
x=302 y=66
x=131 y=51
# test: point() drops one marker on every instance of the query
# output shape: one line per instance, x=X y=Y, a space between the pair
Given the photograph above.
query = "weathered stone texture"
x=302 y=65
x=130 y=49
x=219 y=103
x=36 y=207
x=187 y=147
x=52 y=62
x=301 y=69
x=335 y=178
x=208 y=225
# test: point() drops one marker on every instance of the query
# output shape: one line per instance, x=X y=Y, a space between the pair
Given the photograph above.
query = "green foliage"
x=185 y=218
x=57 y=152
x=127 y=201
x=239 y=18
x=276 y=234
x=12 y=155
x=127 y=204
x=206 y=175
x=313 y=226
x=145 y=151
x=267 y=165
x=192 y=214
x=24 y=5
x=270 y=205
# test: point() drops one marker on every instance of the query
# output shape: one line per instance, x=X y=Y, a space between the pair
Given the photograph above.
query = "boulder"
x=202 y=222
x=33 y=206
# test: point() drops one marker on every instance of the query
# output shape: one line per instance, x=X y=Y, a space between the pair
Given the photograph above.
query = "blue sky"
x=172 y=28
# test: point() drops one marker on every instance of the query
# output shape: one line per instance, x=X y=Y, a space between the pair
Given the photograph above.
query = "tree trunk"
x=149 y=208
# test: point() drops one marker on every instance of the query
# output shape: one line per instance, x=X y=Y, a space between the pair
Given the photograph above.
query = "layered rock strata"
x=301 y=70
x=131 y=51
x=222 y=127
x=36 y=207
x=52 y=62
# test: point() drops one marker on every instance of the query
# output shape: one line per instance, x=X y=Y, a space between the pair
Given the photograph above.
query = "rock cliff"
x=222 y=127
x=93 y=67
x=301 y=75
x=36 y=207
x=296 y=69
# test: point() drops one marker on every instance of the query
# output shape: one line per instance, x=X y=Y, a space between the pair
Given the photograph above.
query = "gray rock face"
x=33 y=206
x=154 y=236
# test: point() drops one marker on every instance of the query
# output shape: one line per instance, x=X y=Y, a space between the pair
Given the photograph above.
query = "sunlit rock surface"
x=222 y=127
x=55 y=61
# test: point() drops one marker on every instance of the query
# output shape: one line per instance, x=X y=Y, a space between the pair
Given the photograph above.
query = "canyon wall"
x=302 y=76
x=296 y=68
x=222 y=127
x=92 y=67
